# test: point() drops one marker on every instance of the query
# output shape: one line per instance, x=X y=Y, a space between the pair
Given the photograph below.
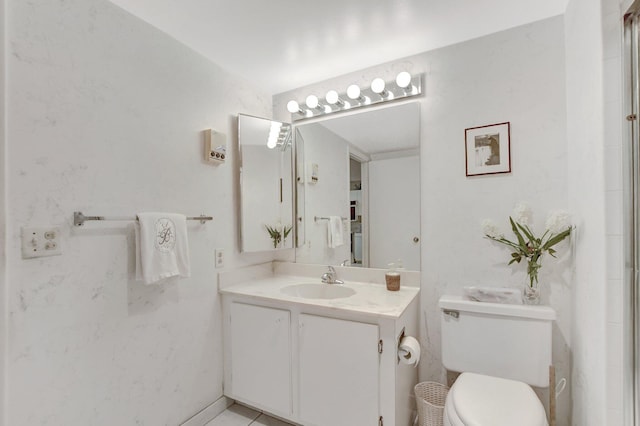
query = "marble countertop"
x=369 y=298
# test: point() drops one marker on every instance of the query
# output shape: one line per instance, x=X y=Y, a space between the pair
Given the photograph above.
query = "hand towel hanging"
x=162 y=247
x=335 y=232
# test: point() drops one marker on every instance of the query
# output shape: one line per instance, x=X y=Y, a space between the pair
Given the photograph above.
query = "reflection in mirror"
x=266 y=175
x=365 y=169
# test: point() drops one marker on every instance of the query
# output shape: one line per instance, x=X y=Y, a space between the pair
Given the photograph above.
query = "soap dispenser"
x=392 y=278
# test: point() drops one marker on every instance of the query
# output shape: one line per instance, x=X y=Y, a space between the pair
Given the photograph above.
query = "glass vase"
x=531 y=294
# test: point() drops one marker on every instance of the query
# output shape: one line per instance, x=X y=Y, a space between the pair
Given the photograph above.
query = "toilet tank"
x=502 y=340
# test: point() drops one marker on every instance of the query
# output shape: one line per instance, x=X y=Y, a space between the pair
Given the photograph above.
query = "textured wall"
x=3 y=287
x=106 y=116
x=586 y=170
x=518 y=76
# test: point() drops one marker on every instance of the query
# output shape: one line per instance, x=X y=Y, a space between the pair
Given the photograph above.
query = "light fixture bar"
x=402 y=87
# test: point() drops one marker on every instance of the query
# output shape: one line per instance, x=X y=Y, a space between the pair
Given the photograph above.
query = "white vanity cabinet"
x=260 y=348
x=339 y=368
x=320 y=363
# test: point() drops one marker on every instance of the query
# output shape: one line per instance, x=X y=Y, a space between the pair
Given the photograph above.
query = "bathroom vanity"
x=319 y=354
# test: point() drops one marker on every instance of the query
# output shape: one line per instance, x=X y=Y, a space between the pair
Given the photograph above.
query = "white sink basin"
x=318 y=291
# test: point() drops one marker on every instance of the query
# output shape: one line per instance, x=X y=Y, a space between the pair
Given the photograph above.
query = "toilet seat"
x=479 y=400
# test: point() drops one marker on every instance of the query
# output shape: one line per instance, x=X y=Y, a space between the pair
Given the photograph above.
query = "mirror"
x=364 y=168
x=266 y=174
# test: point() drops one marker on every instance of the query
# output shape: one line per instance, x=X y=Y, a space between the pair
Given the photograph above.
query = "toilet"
x=501 y=350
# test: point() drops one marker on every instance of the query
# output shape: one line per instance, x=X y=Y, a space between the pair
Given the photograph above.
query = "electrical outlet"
x=219 y=255
x=40 y=242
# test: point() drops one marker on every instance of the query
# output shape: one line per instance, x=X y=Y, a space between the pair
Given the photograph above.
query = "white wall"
x=105 y=115
x=518 y=76
x=328 y=197
x=587 y=201
x=3 y=286
x=614 y=126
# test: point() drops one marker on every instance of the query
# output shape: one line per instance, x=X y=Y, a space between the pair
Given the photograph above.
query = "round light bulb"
x=293 y=107
x=272 y=142
x=332 y=97
x=377 y=85
x=353 y=91
x=312 y=101
x=403 y=79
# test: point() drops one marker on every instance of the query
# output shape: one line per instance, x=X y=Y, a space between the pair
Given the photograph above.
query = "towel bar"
x=79 y=219
x=317 y=218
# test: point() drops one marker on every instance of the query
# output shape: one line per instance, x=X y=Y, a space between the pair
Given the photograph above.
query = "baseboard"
x=209 y=413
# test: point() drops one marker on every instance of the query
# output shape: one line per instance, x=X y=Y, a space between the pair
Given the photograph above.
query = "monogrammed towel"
x=162 y=247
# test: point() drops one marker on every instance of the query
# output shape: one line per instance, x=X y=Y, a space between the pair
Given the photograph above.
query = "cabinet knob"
x=416 y=239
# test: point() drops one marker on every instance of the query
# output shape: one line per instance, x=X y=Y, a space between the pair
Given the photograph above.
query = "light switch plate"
x=40 y=242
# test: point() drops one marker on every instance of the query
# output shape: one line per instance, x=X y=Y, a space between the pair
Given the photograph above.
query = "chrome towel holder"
x=79 y=218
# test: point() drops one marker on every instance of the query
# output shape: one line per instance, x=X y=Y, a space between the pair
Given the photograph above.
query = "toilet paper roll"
x=409 y=351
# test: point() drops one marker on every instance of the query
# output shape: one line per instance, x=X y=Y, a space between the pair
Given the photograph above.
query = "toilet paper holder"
x=401 y=336
x=398 y=340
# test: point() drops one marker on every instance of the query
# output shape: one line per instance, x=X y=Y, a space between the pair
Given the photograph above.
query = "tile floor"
x=239 y=415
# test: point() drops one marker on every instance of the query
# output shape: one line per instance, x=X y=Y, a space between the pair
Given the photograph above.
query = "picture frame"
x=488 y=149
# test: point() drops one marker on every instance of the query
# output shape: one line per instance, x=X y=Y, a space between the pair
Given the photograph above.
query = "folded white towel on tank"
x=494 y=294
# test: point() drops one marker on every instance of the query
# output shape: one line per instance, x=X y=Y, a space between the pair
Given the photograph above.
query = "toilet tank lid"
x=459 y=303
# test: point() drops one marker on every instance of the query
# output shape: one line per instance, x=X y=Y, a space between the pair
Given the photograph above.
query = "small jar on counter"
x=392 y=278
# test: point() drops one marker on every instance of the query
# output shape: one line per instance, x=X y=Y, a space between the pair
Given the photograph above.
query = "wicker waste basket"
x=430 y=398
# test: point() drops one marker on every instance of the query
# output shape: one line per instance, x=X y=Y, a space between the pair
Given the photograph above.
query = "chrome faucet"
x=330 y=277
x=346 y=262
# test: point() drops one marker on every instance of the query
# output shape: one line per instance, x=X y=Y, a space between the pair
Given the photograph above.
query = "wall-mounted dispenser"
x=313 y=173
x=215 y=146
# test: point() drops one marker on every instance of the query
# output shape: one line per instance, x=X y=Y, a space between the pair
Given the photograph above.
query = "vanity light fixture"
x=274 y=134
x=378 y=87
x=314 y=103
x=333 y=98
x=353 y=92
x=379 y=91
x=403 y=80
x=294 y=108
x=279 y=135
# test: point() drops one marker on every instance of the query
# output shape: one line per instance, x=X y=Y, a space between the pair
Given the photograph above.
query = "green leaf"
x=556 y=239
x=527 y=232
x=515 y=231
x=287 y=231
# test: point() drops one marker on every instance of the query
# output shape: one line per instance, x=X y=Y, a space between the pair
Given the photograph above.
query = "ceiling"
x=280 y=45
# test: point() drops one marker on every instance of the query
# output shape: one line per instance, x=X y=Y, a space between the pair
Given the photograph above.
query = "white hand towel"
x=162 y=247
x=335 y=232
x=494 y=295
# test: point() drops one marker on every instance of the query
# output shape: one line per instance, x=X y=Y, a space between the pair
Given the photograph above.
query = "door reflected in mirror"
x=363 y=168
x=266 y=190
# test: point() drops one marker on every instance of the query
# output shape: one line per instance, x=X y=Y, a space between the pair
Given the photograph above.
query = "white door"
x=394 y=212
x=260 y=357
x=339 y=372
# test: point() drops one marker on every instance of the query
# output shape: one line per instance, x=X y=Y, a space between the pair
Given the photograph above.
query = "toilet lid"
x=484 y=400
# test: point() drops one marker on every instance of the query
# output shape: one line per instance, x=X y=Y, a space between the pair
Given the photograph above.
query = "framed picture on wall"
x=488 y=149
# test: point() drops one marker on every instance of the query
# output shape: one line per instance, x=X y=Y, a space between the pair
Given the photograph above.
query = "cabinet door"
x=339 y=372
x=260 y=357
